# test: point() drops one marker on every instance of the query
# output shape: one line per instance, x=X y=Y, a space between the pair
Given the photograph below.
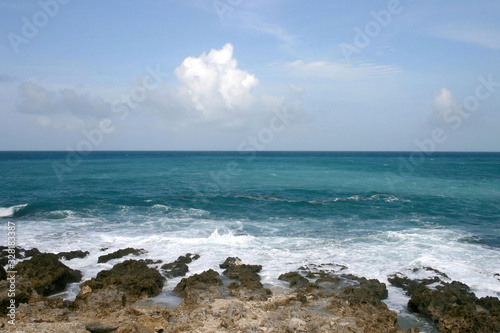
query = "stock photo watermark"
x=427 y=146
x=11 y=274
x=223 y=6
x=372 y=29
x=95 y=137
x=250 y=146
x=33 y=25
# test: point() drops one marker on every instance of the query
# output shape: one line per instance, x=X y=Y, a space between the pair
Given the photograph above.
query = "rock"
x=295 y=279
x=174 y=269
x=24 y=291
x=47 y=274
x=99 y=328
x=230 y=261
x=150 y=261
x=198 y=282
x=131 y=277
x=452 y=305
x=179 y=267
x=120 y=254
x=31 y=253
x=188 y=258
x=297 y=325
x=3 y=273
x=250 y=286
x=73 y=254
x=369 y=287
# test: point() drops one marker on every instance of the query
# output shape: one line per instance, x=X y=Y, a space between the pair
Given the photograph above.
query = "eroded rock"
x=47 y=274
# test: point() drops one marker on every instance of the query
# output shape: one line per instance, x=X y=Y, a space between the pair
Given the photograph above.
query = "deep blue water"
x=375 y=212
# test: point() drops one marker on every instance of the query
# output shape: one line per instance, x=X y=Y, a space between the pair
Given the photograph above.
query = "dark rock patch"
x=120 y=254
x=135 y=279
x=73 y=254
x=295 y=280
x=198 y=283
x=47 y=274
x=179 y=267
x=452 y=305
x=250 y=286
x=24 y=291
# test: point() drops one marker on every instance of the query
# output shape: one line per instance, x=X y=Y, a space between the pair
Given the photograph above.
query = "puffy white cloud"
x=212 y=85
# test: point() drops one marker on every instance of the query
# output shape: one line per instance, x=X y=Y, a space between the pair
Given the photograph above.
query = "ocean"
x=376 y=213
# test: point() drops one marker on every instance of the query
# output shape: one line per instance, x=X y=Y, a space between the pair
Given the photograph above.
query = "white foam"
x=9 y=211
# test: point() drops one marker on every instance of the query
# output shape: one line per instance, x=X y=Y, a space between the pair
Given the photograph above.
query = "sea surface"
x=376 y=213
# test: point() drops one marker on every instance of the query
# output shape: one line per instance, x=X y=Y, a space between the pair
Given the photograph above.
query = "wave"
x=9 y=211
x=357 y=197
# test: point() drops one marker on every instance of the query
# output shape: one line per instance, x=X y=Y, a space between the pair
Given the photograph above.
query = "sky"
x=360 y=75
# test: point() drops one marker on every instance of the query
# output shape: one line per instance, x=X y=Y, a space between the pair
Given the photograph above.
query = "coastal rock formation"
x=179 y=267
x=126 y=282
x=199 y=287
x=250 y=287
x=23 y=292
x=47 y=274
x=120 y=254
x=451 y=304
x=73 y=254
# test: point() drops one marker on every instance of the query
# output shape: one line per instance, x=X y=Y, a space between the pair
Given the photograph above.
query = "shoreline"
x=320 y=298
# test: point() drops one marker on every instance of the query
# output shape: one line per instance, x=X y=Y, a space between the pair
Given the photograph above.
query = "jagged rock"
x=31 y=253
x=120 y=254
x=47 y=274
x=73 y=254
x=3 y=273
x=150 y=261
x=198 y=282
x=230 y=261
x=131 y=278
x=452 y=305
x=369 y=287
x=250 y=286
x=295 y=280
x=23 y=292
x=99 y=328
x=179 y=267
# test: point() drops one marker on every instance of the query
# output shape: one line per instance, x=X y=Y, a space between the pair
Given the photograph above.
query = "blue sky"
x=241 y=74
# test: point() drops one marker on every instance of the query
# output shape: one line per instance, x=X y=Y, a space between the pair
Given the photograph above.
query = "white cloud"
x=63 y=109
x=481 y=36
x=444 y=105
x=338 y=70
x=213 y=84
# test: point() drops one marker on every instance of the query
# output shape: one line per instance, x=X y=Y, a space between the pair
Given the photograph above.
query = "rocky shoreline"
x=319 y=299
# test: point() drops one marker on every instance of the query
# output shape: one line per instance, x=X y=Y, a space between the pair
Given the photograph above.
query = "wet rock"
x=179 y=267
x=132 y=278
x=295 y=280
x=150 y=261
x=369 y=287
x=47 y=274
x=452 y=305
x=31 y=253
x=230 y=261
x=73 y=254
x=198 y=282
x=99 y=328
x=250 y=286
x=120 y=254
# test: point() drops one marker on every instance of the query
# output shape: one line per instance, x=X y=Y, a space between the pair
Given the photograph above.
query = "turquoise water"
x=376 y=213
